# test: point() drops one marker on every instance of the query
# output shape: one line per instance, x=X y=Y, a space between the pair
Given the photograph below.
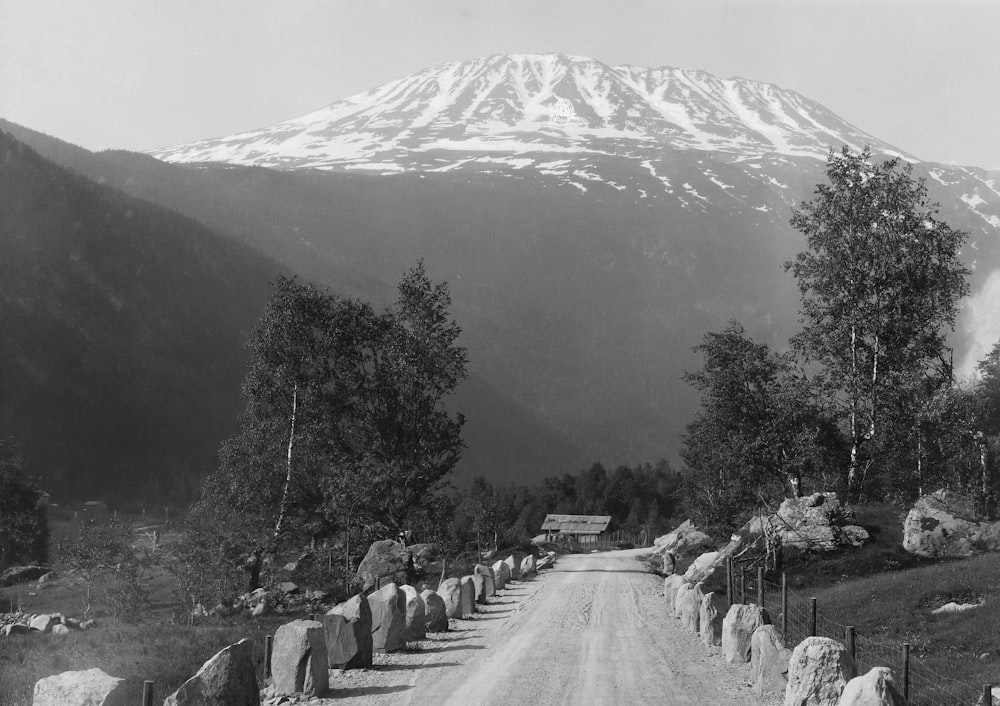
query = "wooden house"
x=585 y=529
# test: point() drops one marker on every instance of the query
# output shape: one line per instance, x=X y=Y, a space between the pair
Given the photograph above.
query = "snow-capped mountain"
x=546 y=111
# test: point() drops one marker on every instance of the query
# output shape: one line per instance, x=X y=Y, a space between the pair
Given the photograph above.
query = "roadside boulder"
x=22 y=574
x=712 y=612
x=416 y=614
x=489 y=579
x=737 y=629
x=298 y=659
x=818 y=671
x=90 y=687
x=468 y=596
x=435 y=612
x=515 y=567
x=528 y=566
x=768 y=661
x=229 y=678
x=388 y=606
x=502 y=573
x=450 y=591
x=947 y=524
x=347 y=628
x=42 y=623
x=689 y=605
x=671 y=585
x=386 y=560
x=668 y=562
x=875 y=688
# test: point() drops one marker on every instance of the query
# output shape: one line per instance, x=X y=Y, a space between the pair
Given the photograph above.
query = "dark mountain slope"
x=123 y=331
x=122 y=348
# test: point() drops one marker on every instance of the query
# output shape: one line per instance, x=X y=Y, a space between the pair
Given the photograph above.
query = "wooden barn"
x=585 y=529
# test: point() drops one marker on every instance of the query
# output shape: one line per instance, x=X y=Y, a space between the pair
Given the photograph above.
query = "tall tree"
x=761 y=431
x=880 y=282
x=24 y=531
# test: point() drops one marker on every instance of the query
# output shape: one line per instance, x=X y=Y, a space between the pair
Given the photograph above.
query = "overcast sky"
x=139 y=74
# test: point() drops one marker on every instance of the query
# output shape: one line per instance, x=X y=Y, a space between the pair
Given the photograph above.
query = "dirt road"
x=592 y=630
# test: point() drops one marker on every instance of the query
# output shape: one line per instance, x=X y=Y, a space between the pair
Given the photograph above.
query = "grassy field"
x=168 y=654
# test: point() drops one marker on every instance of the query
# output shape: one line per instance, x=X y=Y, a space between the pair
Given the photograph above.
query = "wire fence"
x=798 y=617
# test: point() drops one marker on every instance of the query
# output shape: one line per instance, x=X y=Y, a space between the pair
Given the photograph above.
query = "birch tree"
x=880 y=282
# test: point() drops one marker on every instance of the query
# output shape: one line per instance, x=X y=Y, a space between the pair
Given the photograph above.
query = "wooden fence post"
x=813 y=628
x=147 y=693
x=906 y=671
x=743 y=584
x=850 y=641
x=760 y=586
x=784 y=606
x=987 y=695
x=729 y=581
x=268 y=649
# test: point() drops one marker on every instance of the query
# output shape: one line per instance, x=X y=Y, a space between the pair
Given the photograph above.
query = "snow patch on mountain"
x=539 y=106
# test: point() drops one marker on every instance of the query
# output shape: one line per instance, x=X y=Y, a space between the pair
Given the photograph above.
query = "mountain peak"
x=550 y=105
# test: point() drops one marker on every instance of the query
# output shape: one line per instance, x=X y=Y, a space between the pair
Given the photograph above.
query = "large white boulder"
x=89 y=687
x=468 y=596
x=818 y=671
x=528 y=566
x=684 y=539
x=875 y=688
x=689 y=606
x=737 y=629
x=946 y=523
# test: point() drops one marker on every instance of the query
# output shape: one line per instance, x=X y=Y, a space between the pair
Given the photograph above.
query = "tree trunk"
x=852 y=469
x=283 y=508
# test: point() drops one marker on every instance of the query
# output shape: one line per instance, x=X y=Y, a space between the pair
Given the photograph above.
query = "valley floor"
x=592 y=630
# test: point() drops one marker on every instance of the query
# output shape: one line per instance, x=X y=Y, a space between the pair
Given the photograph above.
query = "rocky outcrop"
x=385 y=561
x=298 y=659
x=435 y=612
x=712 y=612
x=737 y=630
x=227 y=679
x=818 y=671
x=945 y=524
x=768 y=661
x=347 y=628
x=817 y=522
x=416 y=614
x=450 y=591
x=90 y=687
x=388 y=606
x=876 y=688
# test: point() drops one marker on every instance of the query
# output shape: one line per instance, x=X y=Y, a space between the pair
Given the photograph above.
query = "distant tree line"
x=864 y=400
x=24 y=530
x=638 y=498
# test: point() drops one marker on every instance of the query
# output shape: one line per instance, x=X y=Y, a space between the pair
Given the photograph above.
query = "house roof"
x=577 y=524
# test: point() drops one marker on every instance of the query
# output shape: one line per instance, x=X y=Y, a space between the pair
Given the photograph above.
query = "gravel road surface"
x=591 y=630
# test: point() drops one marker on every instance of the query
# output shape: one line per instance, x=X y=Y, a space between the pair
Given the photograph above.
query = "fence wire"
x=925 y=687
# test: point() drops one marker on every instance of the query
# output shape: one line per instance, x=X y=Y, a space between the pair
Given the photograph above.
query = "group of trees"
x=865 y=399
x=24 y=531
x=344 y=430
x=639 y=498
